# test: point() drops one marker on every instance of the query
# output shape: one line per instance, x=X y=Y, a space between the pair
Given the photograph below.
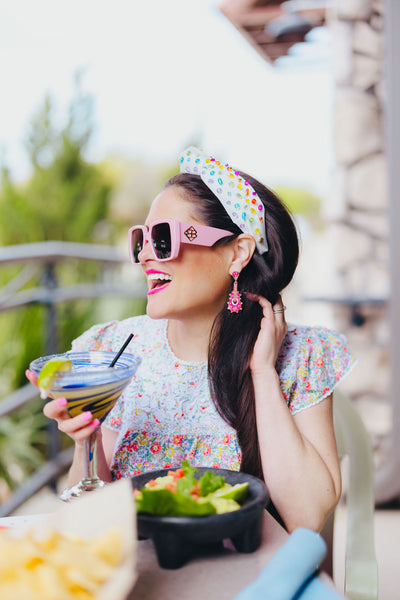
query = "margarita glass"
x=91 y=385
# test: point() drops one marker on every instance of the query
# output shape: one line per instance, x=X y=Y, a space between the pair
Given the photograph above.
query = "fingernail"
x=87 y=416
x=62 y=402
x=95 y=423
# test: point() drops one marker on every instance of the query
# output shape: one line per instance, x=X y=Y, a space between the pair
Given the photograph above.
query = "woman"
x=223 y=380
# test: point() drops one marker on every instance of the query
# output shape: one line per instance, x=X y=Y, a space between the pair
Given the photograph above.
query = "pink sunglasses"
x=166 y=236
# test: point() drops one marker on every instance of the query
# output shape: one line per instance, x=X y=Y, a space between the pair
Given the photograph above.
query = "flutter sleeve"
x=99 y=337
x=312 y=361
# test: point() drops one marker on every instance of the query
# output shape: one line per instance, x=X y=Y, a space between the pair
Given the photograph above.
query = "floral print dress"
x=166 y=414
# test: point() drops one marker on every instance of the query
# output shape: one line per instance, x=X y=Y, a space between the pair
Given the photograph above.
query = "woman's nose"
x=145 y=253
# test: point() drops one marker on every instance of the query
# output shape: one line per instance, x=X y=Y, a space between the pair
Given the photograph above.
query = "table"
x=217 y=577
x=214 y=577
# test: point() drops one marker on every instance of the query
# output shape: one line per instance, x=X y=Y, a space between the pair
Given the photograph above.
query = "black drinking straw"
x=120 y=351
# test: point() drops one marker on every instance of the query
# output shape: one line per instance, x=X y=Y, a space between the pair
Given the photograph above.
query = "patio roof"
x=272 y=26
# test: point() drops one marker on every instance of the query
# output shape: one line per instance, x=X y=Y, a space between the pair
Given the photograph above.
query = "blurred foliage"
x=22 y=444
x=66 y=198
x=139 y=182
x=301 y=202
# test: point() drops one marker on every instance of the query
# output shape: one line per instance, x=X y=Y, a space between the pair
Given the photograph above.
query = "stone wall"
x=357 y=210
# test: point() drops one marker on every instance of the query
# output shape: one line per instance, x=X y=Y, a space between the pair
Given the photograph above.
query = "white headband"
x=236 y=195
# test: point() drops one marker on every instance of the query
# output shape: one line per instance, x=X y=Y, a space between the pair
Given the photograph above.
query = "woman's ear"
x=244 y=246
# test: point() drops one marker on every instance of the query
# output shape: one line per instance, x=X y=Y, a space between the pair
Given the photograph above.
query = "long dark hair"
x=233 y=335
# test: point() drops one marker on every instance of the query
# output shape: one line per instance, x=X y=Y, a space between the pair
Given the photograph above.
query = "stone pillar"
x=357 y=209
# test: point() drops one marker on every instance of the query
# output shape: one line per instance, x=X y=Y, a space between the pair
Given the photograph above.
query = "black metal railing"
x=43 y=258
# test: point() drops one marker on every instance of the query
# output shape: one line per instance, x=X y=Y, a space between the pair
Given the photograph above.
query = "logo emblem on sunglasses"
x=191 y=233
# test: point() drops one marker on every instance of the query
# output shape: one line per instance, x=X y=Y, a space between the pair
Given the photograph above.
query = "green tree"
x=301 y=202
x=65 y=198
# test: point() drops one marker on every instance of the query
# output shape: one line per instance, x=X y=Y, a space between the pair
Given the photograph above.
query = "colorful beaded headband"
x=236 y=195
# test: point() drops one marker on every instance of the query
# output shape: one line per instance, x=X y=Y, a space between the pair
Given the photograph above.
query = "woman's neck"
x=189 y=339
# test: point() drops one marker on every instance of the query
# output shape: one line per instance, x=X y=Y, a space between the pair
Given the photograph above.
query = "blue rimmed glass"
x=92 y=385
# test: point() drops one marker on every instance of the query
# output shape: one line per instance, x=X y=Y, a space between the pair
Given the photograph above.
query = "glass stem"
x=91 y=457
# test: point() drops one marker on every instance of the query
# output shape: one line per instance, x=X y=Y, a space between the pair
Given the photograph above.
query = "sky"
x=162 y=73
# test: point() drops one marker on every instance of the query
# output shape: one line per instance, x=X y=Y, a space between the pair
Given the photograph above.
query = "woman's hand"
x=78 y=428
x=273 y=329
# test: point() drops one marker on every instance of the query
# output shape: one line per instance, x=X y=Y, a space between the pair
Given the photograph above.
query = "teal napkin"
x=291 y=574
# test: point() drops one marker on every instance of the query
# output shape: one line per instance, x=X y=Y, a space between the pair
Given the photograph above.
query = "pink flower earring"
x=234 y=301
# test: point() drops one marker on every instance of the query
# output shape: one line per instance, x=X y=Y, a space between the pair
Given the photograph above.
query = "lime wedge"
x=224 y=505
x=49 y=372
x=236 y=492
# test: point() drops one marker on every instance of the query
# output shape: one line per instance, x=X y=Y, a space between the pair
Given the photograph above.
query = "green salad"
x=181 y=493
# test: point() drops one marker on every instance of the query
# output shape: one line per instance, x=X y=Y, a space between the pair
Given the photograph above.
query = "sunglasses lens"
x=161 y=240
x=137 y=243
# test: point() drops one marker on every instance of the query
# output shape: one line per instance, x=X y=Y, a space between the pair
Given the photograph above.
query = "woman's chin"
x=155 y=312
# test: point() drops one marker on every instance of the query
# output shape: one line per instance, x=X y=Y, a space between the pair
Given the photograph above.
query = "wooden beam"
x=243 y=13
x=251 y=20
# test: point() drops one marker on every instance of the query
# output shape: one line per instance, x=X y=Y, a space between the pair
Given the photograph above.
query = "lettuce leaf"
x=189 y=499
x=210 y=482
x=165 y=502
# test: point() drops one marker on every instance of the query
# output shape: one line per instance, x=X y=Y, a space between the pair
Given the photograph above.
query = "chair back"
x=361 y=569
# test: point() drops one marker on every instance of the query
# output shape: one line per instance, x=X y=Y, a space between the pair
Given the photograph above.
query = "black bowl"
x=176 y=539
